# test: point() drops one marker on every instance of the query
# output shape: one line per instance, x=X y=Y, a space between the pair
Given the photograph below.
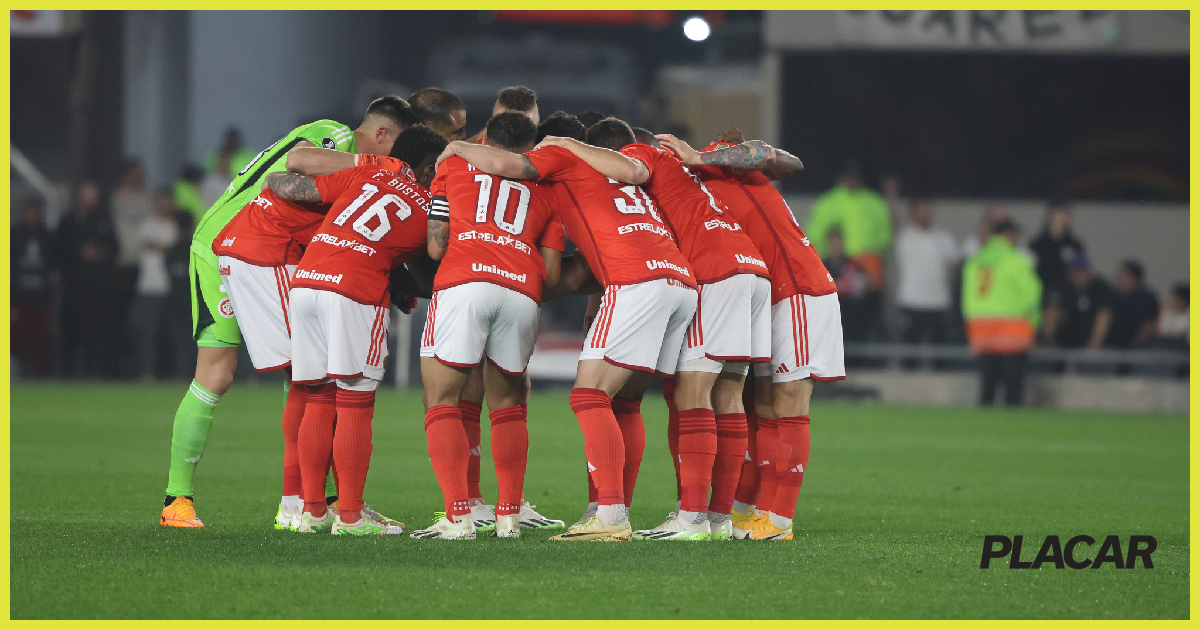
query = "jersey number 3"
x=377 y=213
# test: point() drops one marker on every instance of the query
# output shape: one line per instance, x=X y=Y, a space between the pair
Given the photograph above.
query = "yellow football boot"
x=764 y=529
x=181 y=513
x=744 y=523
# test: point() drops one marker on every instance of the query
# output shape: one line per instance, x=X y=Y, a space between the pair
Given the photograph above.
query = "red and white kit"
x=257 y=253
x=339 y=295
x=732 y=325
x=806 y=322
x=621 y=233
x=489 y=285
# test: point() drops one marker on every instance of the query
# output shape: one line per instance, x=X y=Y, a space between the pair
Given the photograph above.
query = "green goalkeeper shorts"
x=213 y=323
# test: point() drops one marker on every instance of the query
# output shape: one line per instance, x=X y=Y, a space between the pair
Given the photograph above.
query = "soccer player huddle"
x=696 y=270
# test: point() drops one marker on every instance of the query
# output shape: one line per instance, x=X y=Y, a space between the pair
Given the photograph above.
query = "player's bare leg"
x=731 y=449
x=189 y=433
x=596 y=382
x=791 y=403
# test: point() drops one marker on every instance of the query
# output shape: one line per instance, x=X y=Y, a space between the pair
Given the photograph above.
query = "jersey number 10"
x=503 y=195
x=377 y=210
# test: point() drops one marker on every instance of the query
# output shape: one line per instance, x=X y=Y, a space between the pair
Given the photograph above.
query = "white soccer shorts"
x=334 y=337
x=806 y=339
x=732 y=327
x=641 y=326
x=469 y=321
x=259 y=296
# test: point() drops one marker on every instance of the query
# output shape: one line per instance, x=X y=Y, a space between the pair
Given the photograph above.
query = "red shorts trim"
x=825 y=379
x=632 y=367
x=497 y=366
x=272 y=369
x=457 y=365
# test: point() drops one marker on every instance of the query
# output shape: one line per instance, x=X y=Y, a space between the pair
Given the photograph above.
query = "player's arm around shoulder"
x=609 y=163
x=293 y=187
x=490 y=160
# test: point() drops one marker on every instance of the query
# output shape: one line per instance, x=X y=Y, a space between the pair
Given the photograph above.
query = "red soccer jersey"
x=496 y=226
x=271 y=231
x=712 y=241
x=794 y=265
x=376 y=223
x=616 y=227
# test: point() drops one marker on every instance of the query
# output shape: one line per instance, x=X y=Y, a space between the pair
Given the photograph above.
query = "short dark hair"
x=1134 y=268
x=590 y=117
x=435 y=105
x=393 y=108
x=561 y=123
x=517 y=98
x=417 y=143
x=610 y=133
x=513 y=131
x=645 y=136
x=1006 y=226
x=1182 y=291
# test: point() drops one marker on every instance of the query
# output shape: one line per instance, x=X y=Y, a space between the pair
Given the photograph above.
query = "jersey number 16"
x=377 y=210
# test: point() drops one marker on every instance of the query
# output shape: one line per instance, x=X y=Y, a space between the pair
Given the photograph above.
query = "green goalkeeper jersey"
x=248 y=183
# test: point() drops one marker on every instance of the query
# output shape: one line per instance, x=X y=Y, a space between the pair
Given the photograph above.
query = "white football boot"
x=288 y=516
x=532 y=520
x=445 y=529
x=680 y=526
x=507 y=526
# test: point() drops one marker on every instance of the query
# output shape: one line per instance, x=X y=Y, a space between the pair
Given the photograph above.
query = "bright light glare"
x=696 y=29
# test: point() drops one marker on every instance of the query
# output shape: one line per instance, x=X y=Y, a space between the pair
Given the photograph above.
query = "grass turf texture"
x=890 y=524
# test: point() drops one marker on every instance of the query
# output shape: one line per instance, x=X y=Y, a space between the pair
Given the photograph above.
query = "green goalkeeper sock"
x=193 y=421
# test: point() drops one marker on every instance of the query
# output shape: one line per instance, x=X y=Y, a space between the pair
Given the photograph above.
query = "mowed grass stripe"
x=890 y=525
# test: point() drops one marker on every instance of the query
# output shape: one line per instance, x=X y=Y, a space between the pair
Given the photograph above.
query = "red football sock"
x=668 y=390
x=446 y=441
x=793 y=434
x=731 y=452
x=471 y=411
x=768 y=452
x=697 y=452
x=293 y=414
x=315 y=445
x=602 y=443
x=352 y=449
x=510 y=450
x=633 y=435
x=747 y=490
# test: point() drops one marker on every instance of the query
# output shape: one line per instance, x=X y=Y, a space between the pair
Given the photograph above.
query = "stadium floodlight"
x=696 y=29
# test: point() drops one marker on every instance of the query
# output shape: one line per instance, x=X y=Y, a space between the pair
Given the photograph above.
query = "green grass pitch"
x=890 y=525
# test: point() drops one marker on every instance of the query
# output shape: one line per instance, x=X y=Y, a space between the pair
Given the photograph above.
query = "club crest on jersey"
x=328 y=143
x=226 y=308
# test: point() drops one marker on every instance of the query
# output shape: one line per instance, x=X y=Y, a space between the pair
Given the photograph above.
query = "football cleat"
x=366 y=526
x=379 y=518
x=483 y=516
x=310 y=524
x=720 y=526
x=744 y=522
x=593 y=528
x=507 y=526
x=676 y=528
x=288 y=515
x=764 y=529
x=180 y=513
x=445 y=529
x=588 y=513
x=531 y=519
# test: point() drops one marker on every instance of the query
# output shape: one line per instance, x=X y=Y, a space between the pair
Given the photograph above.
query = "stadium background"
x=973 y=110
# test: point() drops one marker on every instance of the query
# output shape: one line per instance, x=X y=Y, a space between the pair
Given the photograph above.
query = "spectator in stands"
x=1173 y=323
x=216 y=181
x=179 y=304
x=1054 y=248
x=925 y=257
x=130 y=206
x=1001 y=305
x=866 y=226
x=236 y=155
x=1134 y=309
x=853 y=282
x=159 y=232
x=87 y=251
x=187 y=192
x=30 y=266
x=1087 y=309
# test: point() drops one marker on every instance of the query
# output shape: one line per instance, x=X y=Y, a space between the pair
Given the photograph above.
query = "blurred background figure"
x=1174 y=321
x=178 y=327
x=186 y=192
x=87 y=246
x=865 y=222
x=159 y=232
x=1001 y=306
x=130 y=206
x=1053 y=248
x=1086 y=314
x=925 y=257
x=31 y=264
x=1134 y=309
x=234 y=153
x=853 y=284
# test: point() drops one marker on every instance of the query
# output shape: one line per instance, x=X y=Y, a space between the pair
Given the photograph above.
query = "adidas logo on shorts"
x=782 y=369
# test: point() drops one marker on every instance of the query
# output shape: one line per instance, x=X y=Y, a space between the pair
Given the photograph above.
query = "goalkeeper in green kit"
x=214 y=323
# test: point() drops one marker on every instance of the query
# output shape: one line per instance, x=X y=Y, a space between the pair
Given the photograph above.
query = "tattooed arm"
x=607 y=162
x=754 y=155
x=293 y=187
x=438 y=236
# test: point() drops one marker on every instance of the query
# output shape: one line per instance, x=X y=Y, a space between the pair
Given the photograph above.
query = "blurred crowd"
x=864 y=236
x=104 y=294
